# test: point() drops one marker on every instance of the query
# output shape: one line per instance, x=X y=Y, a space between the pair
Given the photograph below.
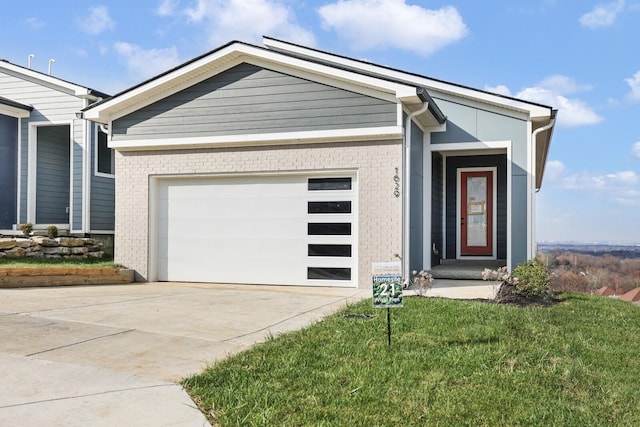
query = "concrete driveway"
x=113 y=355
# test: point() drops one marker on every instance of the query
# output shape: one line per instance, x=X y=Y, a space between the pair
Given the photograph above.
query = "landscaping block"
x=6 y=243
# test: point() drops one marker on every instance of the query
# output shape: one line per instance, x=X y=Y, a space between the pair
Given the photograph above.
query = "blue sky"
x=581 y=57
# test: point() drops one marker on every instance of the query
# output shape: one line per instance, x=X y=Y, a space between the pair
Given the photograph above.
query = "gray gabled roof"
x=79 y=90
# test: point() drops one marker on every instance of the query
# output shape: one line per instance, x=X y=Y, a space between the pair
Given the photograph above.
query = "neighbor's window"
x=105 y=158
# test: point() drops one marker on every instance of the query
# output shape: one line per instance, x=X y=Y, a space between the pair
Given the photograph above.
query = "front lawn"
x=36 y=262
x=450 y=363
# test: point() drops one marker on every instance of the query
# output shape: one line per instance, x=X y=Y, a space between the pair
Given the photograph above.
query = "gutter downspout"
x=534 y=169
x=534 y=148
x=406 y=207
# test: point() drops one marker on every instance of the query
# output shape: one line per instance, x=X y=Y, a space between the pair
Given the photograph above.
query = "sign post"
x=387 y=288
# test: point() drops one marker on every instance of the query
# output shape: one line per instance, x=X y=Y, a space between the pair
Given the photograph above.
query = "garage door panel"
x=237 y=228
x=258 y=207
x=236 y=250
x=257 y=271
x=250 y=229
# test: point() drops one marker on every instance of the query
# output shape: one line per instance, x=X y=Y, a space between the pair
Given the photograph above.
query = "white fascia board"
x=303 y=137
x=17 y=113
x=77 y=90
x=532 y=109
x=235 y=54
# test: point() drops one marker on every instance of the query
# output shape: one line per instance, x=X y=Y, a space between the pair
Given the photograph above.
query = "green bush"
x=26 y=228
x=531 y=279
x=52 y=231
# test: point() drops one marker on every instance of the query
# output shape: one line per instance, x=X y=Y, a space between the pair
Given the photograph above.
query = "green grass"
x=57 y=263
x=450 y=363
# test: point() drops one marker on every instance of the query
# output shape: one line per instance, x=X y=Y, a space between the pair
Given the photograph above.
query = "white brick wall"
x=380 y=212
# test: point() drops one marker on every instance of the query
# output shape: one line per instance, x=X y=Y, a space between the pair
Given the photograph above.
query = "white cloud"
x=634 y=84
x=499 y=89
x=622 y=187
x=143 y=63
x=602 y=15
x=167 y=7
x=375 y=24
x=551 y=91
x=635 y=150
x=248 y=20
x=563 y=84
x=97 y=21
x=553 y=170
x=34 y=23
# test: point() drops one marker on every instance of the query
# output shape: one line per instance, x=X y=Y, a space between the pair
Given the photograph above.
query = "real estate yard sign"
x=387 y=284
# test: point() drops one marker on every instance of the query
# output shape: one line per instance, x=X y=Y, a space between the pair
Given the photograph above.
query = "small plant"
x=52 y=231
x=501 y=274
x=424 y=280
x=26 y=228
x=531 y=279
x=528 y=280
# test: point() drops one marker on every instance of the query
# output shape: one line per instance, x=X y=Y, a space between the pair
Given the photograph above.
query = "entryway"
x=473 y=223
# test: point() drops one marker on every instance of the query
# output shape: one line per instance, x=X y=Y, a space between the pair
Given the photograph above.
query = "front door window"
x=476 y=213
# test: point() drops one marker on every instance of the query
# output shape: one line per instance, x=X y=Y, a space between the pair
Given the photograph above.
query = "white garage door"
x=268 y=229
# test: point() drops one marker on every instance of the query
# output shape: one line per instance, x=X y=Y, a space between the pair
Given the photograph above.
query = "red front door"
x=476 y=213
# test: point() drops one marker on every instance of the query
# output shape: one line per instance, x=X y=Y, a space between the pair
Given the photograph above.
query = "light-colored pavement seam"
x=80 y=342
x=285 y=319
x=96 y=305
x=35 y=402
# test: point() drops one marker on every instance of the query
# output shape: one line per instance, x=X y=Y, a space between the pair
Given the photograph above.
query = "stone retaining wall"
x=46 y=247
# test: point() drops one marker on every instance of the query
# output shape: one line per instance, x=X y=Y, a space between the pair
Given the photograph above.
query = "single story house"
x=55 y=168
x=281 y=164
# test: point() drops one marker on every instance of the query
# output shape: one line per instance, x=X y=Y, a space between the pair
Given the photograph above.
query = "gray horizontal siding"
x=437 y=203
x=78 y=154
x=249 y=99
x=50 y=104
x=102 y=204
x=103 y=200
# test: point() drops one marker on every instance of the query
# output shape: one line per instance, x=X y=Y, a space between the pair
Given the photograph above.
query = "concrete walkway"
x=113 y=355
x=460 y=289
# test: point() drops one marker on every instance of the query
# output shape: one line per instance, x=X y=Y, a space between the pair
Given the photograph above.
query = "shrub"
x=26 y=228
x=424 y=280
x=52 y=231
x=531 y=279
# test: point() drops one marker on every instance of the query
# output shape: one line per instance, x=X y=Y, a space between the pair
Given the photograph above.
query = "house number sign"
x=387 y=284
x=396 y=188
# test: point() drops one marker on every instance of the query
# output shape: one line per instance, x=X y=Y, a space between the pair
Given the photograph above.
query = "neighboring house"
x=55 y=168
x=285 y=165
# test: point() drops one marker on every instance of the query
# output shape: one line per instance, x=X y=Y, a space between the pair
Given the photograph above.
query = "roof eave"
x=14 y=109
x=531 y=108
x=77 y=90
x=234 y=52
x=546 y=144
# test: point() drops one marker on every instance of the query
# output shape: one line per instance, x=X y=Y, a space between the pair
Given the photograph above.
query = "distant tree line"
x=579 y=272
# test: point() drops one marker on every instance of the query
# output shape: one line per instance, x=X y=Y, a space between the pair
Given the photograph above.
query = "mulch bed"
x=507 y=295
